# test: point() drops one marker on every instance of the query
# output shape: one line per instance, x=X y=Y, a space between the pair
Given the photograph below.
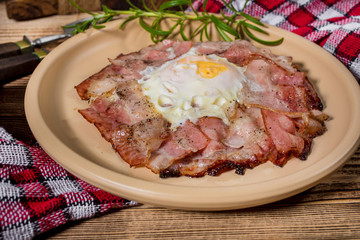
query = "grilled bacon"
x=274 y=123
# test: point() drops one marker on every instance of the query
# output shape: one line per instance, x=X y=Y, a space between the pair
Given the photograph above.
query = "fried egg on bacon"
x=193 y=86
x=230 y=106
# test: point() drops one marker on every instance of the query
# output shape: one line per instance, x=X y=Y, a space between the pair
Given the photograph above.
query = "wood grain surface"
x=30 y=9
x=65 y=7
x=329 y=210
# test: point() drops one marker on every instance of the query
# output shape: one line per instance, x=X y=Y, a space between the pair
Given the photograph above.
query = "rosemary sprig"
x=228 y=27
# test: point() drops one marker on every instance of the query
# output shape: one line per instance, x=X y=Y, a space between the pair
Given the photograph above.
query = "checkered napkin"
x=36 y=194
x=332 y=24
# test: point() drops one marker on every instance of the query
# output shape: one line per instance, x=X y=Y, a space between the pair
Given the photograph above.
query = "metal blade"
x=39 y=42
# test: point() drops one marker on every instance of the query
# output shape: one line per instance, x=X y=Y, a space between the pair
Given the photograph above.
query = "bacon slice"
x=277 y=115
x=216 y=130
x=263 y=91
x=136 y=142
x=185 y=140
x=254 y=147
x=129 y=121
x=127 y=67
x=282 y=131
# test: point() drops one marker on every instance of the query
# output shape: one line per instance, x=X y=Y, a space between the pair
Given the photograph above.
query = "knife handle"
x=19 y=66
x=9 y=49
x=15 y=48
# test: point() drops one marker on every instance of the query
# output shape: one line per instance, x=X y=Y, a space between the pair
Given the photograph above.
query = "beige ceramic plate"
x=51 y=105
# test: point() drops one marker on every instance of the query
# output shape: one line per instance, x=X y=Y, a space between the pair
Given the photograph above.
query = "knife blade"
x=27 y=45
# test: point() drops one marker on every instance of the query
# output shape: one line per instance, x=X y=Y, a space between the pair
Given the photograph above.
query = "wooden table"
x=331 y=210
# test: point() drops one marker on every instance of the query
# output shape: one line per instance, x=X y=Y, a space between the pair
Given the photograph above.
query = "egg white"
x=193 y=86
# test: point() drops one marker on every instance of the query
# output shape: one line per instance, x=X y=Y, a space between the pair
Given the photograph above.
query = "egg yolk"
x=192 y=87
x=206 y=68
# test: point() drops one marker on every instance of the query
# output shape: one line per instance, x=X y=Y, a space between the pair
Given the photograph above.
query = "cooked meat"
x=273 y=117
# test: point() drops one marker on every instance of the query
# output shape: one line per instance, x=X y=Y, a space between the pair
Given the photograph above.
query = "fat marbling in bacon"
x=275 y=117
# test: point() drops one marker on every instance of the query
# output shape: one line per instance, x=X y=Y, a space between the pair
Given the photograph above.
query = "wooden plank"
x=21 y=82
x=18 y=128
x=33 y=29
x=29 y=9
x=11 y=101
x=65 y=7
x=12 y=113
x=327 y=221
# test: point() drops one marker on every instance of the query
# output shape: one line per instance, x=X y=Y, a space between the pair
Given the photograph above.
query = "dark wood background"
x=30 y=9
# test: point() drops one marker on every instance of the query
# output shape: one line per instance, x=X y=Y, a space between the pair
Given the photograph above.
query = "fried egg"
x=193 y=86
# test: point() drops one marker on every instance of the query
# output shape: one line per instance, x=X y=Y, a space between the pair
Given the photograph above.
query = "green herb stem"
x=225 y=25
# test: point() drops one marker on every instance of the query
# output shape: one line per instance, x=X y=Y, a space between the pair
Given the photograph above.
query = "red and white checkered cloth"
x=36 y=194
x=332 y=24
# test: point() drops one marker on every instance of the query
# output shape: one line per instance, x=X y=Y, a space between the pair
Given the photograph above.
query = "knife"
x=27 y=46
x=19 y=65
x=21 y=60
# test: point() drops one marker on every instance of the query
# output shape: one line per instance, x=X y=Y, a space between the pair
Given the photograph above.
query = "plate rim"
x=139 y=194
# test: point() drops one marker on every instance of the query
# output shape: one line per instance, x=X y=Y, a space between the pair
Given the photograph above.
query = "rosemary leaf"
x=269 y=43
x=206 y=32
x=220 y=24
x=253 y=27
x=131 y=4
x=173 y=3
x=129 y=19
x=204 y=6
x=154 y=6
x=231 y=7
x=146 y=7
x=184 y=37
x=152 y=30
x=237 y=25
x=252 y=19
x=223 y=34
